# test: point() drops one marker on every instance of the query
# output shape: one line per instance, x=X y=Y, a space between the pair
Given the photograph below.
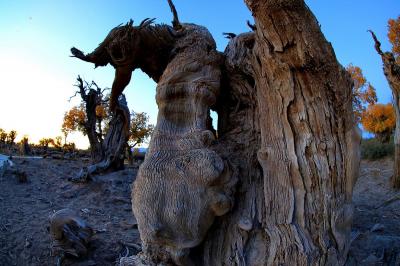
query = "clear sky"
x=37 y=74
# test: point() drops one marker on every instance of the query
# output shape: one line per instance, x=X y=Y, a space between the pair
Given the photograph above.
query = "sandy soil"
x=105 y=204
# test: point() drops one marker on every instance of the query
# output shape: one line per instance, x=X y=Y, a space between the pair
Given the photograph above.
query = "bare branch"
x=105 y=89
x=251 y=26
x=97 y=87
x=175 y=22
x=146 y=22
x=70 y=98
x=78 y=54
x=229 y=35
x=81 y=87
x=377 y=43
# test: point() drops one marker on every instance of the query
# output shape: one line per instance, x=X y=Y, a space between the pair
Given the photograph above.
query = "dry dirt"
x=25 y=207
x=376 y=223
x=105 y=204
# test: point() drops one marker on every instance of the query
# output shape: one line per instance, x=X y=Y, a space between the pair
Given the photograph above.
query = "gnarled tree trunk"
x=287 y=143
x=392 y=73
x=297 y=210
x=114 y=144
x=92 y=99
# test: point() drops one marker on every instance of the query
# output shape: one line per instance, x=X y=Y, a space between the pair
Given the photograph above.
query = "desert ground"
x=105 y=204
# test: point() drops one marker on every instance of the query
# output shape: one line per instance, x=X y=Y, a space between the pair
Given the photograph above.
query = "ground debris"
x=27 y=208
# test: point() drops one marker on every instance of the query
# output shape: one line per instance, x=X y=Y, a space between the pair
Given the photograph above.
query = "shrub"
x=373 y=149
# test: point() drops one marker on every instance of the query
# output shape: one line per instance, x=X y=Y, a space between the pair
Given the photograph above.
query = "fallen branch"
x=131 y=245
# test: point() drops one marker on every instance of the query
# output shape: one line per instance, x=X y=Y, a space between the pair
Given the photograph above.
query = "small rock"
x=85 y=210
x=22 y=177
x=377 y=228
x=27 y=243
x=102 y=230
x=128 y=225
x=371 y=260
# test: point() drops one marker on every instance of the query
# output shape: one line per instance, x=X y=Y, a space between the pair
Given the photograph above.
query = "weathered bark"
x=183 y=184
x=298 y=211
x=238 y=238
x=391 y=69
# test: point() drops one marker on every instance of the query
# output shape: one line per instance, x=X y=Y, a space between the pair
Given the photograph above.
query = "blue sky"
x=37 y=73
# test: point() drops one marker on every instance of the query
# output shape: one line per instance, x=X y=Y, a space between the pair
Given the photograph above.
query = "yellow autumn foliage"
x=379 y=119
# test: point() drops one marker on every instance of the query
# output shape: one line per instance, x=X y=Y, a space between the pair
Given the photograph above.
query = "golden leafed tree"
x=140 y=129
x=380 y=120
x=394 y=36
x=363 y=92
x=74 y=120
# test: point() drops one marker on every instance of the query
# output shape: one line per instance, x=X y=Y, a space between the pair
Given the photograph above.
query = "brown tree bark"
x=391 y=69
x=183 y=184
x=297 y=210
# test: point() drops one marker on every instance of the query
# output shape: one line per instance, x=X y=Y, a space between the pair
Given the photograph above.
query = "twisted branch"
x=377 y=43
x=175 y=22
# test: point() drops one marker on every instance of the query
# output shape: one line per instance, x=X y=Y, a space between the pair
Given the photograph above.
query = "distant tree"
x=89 y=117
x=391 y=69
x=107 y=131
x=65 y=134
x=69 y=147
x=363 y=92
x=44 y=143
x=380 y=120
x=11 y=137
x=24 y=147
x=57 y=142
x=139 y=131
x=74 y=120
x=3 y=136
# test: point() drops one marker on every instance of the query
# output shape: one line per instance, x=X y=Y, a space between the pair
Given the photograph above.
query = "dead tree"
x=91 y=98
x=113 y=145
x=287 y=141
x=391 y=69
x=108 y=153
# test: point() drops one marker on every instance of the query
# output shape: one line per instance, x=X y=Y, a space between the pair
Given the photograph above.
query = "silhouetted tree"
x=11 y=137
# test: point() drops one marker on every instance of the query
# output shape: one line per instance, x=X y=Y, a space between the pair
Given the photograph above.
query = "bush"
x=373 y=149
